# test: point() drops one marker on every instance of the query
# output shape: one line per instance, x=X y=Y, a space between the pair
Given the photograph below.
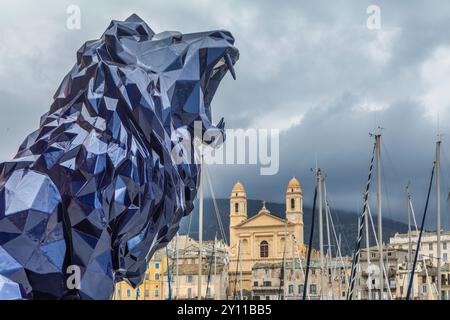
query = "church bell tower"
x=294 y=207
x=238 y=210
x=238 y=205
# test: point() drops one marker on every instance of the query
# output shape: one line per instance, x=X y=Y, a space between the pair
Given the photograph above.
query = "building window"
x=444 y=246
x=128 y=293
x=266 y=271
x=156 y=292
x=156 y=276
x=138 y=293
x=313 y=289
x=291 y=289
x=236 y=207
x=189 y=278
x=267 y=283
x=301 y=287
x=430 y=246
x=264 y=249
x=445 y=256
x=292 y=203
x=147 y=293
x=156 y=265
x=147 y=276
x=189 y=293
x=424 y=289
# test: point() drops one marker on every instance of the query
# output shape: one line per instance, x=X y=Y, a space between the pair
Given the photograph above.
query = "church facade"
x=263 y=238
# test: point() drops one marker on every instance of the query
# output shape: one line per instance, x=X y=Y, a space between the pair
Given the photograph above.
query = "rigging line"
x=403 y=285
x=168 y=274
x=339 y=248
x=235 y=274
x=188 y=231
x=212 y=256
x=420 y=234
x=376 y=242
x=330 y=266
x=187 y=235
x=357 y=251
x=339 y=224
x=282 y=265
x=423 y=258
x=308 y=261
x=300 y=261
x=216 y=208
x=445 y=218
x=386 y=193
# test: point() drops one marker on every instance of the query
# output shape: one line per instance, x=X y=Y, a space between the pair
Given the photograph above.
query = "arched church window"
x=264 y=249
x=236 y=207
x=292 y=203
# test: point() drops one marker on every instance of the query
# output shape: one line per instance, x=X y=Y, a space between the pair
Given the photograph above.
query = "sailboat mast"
x=240 y=281
x=329 y=253
x=380 y=218
x=343 y=268
x=369 y=278
x=322 y=278
x=177 y=279
x=438 y=215
x=408 y=210
x=215 y=260
x=200 y=233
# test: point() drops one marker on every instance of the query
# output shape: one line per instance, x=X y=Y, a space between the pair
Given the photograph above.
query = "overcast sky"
x=312 y=69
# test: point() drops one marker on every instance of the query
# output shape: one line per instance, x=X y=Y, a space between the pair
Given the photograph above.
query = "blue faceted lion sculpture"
x=95 y=191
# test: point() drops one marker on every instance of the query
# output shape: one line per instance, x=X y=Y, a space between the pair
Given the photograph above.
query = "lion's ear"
x=140 y=26
x=133 y=26
x=121 y=38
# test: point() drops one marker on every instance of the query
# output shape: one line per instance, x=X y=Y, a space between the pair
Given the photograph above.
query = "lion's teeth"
x=230 y=65
x=221 y=124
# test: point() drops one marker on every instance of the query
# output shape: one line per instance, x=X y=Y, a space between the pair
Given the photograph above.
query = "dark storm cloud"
x=310 y=68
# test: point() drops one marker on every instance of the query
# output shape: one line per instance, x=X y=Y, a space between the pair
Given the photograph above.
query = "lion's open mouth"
x=224 y=64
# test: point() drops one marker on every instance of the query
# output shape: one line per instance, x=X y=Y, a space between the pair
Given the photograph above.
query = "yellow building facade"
x=153 y=287
x=263 y=238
